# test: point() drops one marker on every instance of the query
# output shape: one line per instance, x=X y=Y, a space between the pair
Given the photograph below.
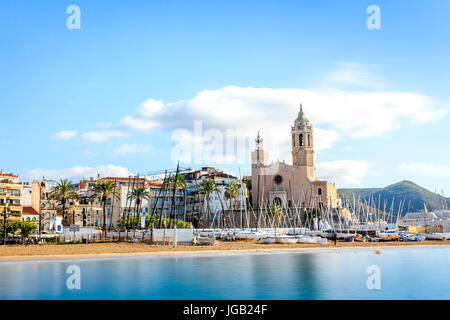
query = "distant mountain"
x=405 y=194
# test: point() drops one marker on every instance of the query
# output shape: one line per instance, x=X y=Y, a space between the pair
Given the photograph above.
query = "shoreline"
x=225 y=248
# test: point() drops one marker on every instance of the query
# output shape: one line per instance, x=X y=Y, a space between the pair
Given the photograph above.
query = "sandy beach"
x=95 y=250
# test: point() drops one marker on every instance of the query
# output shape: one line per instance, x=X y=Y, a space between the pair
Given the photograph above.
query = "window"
x=309 y=140
x=278 y=179
x=14 y=193
x=300 y=139
x=319 y=191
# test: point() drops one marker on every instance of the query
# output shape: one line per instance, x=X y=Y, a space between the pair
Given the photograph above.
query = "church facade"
x=293 y=185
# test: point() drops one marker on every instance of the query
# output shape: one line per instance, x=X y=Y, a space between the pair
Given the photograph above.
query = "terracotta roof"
x=156 y=183
x=2 y=174
x=122 y=179
x=29 y=210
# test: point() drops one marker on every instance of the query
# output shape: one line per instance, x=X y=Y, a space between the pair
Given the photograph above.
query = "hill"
x=405 y=194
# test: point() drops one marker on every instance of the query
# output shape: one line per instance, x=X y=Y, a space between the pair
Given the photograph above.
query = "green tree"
x=208 y=187
x=26 y=228
x=232 y=194
x=12 y=227
x=63 y=192
x=179 y=183
x=103 y=190
x=138 y=194
x=248 y=187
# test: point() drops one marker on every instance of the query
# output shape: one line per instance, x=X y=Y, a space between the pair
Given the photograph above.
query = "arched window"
x=300 y=140
x=319 y=191
x=277 y=201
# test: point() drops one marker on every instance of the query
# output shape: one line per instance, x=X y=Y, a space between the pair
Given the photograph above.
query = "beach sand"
x=94 y=250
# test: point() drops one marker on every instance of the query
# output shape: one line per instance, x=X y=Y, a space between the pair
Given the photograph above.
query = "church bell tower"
x=302 y=141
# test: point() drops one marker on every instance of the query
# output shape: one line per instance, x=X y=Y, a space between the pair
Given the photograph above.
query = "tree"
x=26 y=228
x=179 y=182
x=248 y=186
x=275 y=213
x=12 y=227
x=103 y=190
x=138 y=194
x=208 y=187
x=232 y=193
x=63 y=191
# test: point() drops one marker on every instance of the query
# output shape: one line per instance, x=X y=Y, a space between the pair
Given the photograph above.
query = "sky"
x=143 y=84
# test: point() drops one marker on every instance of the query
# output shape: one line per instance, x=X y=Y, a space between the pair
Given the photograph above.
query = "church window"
x=278 y=179
x=319 y=191
x=277 y=201
x=300 y=139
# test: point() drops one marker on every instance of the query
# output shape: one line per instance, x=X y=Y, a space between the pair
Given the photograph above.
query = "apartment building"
x=47 y=208
x=10 y=196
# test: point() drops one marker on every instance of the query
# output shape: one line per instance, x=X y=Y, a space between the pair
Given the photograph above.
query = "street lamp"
x=5 y=217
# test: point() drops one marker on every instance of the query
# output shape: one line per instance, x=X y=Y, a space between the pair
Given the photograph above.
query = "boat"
x=437 y=236
x=269 y=240
x=345 y=236
x=315 y=240
x=206 y=241
x=411 y=237
x=285 y=240
x=250 y=235
x=388 y=237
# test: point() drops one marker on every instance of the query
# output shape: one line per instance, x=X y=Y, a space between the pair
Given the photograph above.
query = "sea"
x=391 y=273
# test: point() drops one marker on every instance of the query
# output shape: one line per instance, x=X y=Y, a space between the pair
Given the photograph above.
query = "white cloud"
x=351 y=113
x=354 y=74
x=424 y=169
x=65 y=135
x=102 y=136
x=343 y=171
x=335 y=113
x=132 y=148
x=79 y=172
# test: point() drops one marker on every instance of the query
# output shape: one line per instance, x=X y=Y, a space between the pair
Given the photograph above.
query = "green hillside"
x=405 y=193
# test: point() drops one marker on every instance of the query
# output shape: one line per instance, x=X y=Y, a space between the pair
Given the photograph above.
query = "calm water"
x=412 y=273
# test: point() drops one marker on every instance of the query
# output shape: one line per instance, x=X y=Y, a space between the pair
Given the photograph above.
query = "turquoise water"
x=407 y=273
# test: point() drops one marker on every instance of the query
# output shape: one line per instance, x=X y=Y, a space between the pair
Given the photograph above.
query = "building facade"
x=10 y=196
x=296 y=184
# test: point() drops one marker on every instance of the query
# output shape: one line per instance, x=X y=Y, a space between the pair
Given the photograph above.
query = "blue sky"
x=219 y=62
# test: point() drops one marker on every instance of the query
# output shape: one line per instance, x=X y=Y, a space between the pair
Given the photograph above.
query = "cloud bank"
x=79 y=172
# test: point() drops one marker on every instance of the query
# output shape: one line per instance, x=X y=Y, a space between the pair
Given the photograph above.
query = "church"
x=293 y=185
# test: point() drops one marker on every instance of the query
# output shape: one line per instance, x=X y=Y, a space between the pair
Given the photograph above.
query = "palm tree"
x=275 y=213
x=138 y=194
x=63 y=192
x=232 y=193
x=208 y=187
x=248 y=186
x=179 y=182
x=102 y=190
